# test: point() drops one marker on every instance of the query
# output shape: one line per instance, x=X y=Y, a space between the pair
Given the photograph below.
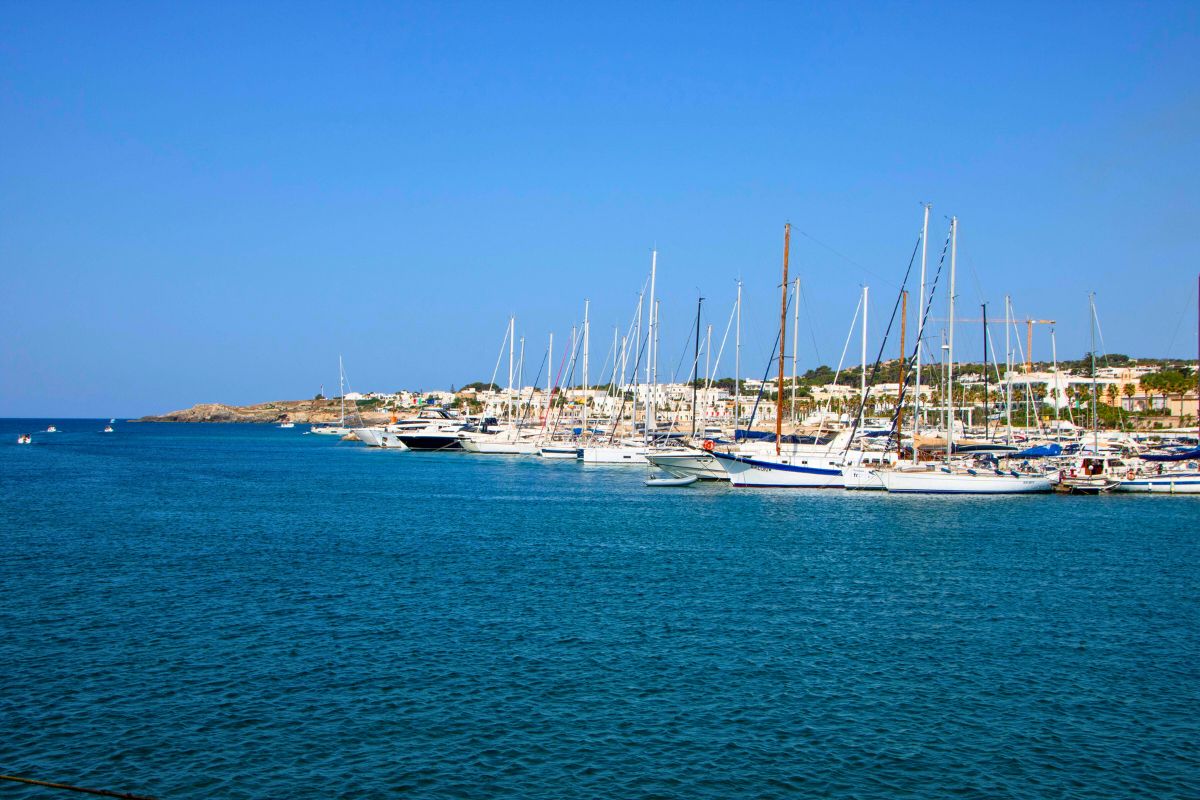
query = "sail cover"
x=1040 y=451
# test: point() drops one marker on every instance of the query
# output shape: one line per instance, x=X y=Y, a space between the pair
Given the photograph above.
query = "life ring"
x=1072 y=473
x=1129 y=475
x=709 y=445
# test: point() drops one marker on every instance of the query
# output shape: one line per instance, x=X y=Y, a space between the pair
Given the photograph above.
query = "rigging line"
x=721 y=349
x=499 y=358
x=862 y=403
x=847 y=258
x=532 y=389
x=1104 y=352
x=1179 y=320
x=849 y=336
x=908 y=368
x=812 y=332
x=620 y=412
x=1028 y=384
x=683 y=353
x=761 y=387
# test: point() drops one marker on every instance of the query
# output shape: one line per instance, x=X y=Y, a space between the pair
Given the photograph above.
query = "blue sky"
x=210 y=203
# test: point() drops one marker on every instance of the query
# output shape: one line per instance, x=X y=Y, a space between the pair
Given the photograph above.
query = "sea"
x=244 y=611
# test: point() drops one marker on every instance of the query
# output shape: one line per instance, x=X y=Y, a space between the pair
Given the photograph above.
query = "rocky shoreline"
x=298 y=411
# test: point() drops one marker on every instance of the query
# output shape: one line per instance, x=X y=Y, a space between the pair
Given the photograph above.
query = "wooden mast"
x=787 y=240
x=900 y=385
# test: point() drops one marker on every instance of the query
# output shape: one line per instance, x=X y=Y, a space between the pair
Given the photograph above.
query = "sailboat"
x=629 y=451
x=340 y=429
x=508 y=440
x=956 y=477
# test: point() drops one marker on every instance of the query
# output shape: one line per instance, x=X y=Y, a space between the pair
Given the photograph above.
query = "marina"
x=476 y=625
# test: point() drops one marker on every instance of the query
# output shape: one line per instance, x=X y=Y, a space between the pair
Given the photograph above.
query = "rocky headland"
x=298 y=411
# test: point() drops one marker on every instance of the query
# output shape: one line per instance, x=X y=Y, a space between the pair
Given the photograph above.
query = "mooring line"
x=70 y=788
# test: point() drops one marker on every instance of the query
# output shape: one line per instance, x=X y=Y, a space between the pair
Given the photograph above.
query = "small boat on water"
x=51 y=429
x=287 y=424
x=25 y=438
x=107 y=429
x=666 y=482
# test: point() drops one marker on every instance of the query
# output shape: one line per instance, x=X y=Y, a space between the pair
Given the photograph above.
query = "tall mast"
x=696 y=367
x=1095 y=410
x=654 y=379
x=950 y=352
x=737 y=363
x=586 y=329
x=986 y=387
x=708 y=377
x=1054 y=355
x=787 y=241
x=549 y=383
x=1008 y=364
x=862 y=397
x=650 y=335
x=342 y=387
x=512 y=322
x=901 y=376
x=637 y=353
x=795 y=341
x=920 y=332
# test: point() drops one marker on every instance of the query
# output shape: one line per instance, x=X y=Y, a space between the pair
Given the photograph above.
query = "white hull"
x=378 y=437
x=287 y=424
x=1166 y=483
x=808 y=472
x=329 y=430
x=559 y=452
x=689 y=464
x=501 y=448
x=938 y=482
x=615 y=455
x=864 y=478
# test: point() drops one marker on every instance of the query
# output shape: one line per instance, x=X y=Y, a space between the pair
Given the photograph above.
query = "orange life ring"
x=1129 y=475
x=709 y=444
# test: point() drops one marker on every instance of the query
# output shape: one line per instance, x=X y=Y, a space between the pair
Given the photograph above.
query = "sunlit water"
x=243 y=611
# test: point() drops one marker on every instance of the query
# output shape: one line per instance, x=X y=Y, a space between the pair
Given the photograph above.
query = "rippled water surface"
x=244 y=611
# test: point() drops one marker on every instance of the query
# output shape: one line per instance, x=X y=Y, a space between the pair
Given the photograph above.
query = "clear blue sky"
x=209 y=203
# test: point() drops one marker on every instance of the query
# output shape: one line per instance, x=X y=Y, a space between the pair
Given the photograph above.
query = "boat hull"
x=432 y=442
x=493 y=448
x=614 y=455
x=1181 y=483
x=560 y=453
x=814 y=473
x=931 y=482
x=689 y=463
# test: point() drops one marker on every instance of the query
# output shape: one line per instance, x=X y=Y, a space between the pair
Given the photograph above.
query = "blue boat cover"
x=1186 y=455
x=1041 y=451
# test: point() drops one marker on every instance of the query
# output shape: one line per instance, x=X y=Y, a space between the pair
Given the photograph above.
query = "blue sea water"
x=245 y=612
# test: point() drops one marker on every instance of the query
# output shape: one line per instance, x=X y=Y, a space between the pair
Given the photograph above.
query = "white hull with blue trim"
x=1166 y=483
x=787 y=471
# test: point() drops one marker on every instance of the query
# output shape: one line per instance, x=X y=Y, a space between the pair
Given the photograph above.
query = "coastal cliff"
x=299 y=411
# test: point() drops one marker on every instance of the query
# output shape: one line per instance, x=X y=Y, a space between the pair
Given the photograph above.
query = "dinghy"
x=664 y=482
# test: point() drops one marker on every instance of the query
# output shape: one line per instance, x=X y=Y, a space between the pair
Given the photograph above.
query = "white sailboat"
x=340 y=429
x=953 y=477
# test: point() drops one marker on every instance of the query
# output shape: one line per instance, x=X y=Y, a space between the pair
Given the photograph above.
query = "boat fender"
x=708 y=445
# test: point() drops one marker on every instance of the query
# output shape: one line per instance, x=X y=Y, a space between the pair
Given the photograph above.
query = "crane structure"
x=1029 y=323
